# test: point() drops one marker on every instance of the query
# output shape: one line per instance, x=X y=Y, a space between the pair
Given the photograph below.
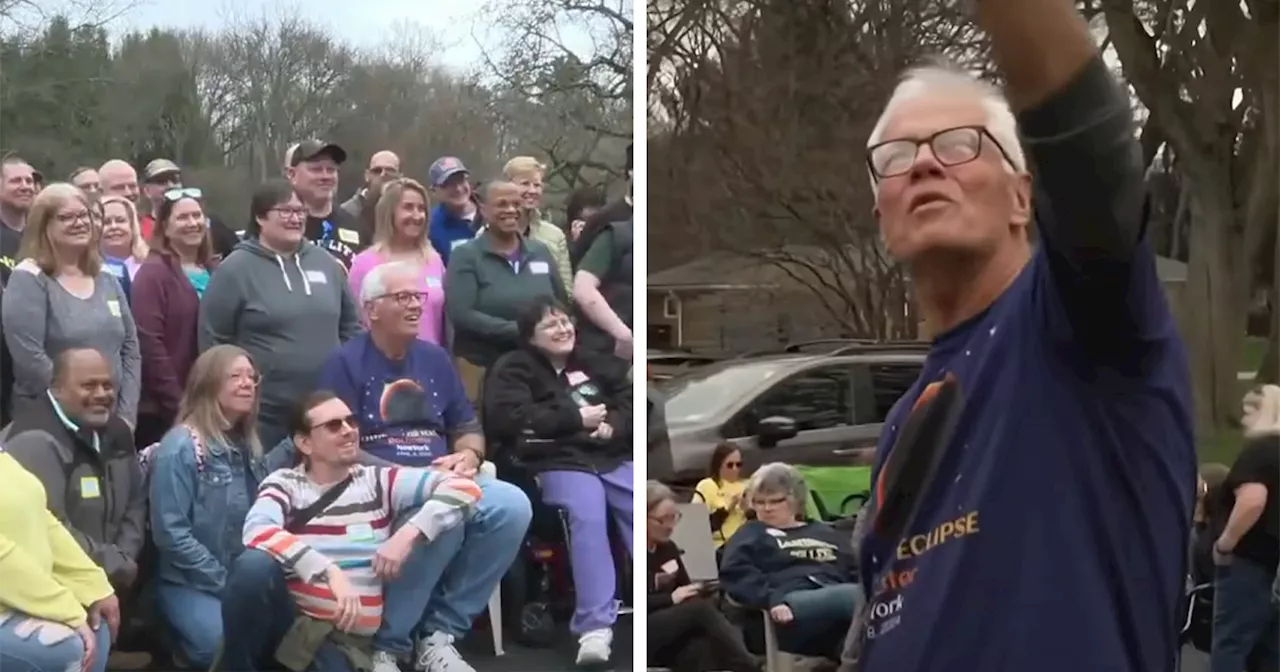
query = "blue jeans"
x=588 y=499
x=257 y=602
x=195 y=622
x=1244 y=618
x=22 y=648
x=829 y=603
x=446 y=583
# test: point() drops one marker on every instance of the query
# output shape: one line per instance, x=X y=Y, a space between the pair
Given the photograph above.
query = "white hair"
x=949 y=80
x=375 y=283
x=779 y=478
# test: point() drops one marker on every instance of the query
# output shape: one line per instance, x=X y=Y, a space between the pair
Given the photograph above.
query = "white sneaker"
x=595 y=647
x=384 y=661
x=437 y=654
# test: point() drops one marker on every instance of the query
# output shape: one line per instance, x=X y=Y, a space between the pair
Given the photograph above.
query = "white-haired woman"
x=1244 y=515
x=400 y=234
x=204 y=477
x=687 y=632
x=812 y=594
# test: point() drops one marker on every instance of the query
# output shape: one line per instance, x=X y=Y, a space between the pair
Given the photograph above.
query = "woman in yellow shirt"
x=57 y=609
x=722 y=492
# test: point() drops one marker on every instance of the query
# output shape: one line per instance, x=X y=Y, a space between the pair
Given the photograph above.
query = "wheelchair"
x=537 y=591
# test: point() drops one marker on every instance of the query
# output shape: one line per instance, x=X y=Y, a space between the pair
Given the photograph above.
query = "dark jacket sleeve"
x=131 y=534
x=510 y=409
x=159 y=375
x=660 y=597
x=740 y=573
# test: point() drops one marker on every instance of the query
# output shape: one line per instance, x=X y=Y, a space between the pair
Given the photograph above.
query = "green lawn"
x=1254 y=349
x=1219 y=446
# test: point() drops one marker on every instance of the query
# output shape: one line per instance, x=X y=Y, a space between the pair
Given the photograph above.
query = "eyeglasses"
x=183 y=192
x=291 y=213
x=250 y=377
x=733 y=465
x=337 y=424
x=772 y=501
x=669 y=519
x=406 y=298
x=951 y=147
x=72 y=217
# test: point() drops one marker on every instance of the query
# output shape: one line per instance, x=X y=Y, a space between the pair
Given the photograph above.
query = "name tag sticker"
x=360 y=532
x=539 y=268
x=89 y=487
x=114 y=307
x=458 y=243
x=433 y=282
x=349 y=236
x=576 y=378
x=669 y=567
x=317 y=277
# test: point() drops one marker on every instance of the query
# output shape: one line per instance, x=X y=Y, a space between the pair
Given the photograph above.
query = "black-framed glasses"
x=951 y=147
x=337 y=424
x=183 y=192
x=294 y=213
x=406 y=298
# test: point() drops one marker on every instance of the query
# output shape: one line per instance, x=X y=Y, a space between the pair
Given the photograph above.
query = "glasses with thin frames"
x=291 y=213
x=406 y=298
x=951 y=147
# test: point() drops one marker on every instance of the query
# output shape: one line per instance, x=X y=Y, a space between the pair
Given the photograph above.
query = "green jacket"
x=485 y=292
x=553 y=237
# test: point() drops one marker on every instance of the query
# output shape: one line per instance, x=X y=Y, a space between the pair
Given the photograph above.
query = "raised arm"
x=1087 y=164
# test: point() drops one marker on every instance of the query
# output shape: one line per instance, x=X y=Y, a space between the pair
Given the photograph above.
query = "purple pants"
x=588 y=499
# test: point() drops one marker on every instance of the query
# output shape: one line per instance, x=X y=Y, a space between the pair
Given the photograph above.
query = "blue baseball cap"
x=444 y=168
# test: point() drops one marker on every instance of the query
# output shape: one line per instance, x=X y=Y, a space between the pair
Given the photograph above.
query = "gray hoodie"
x=289 y=312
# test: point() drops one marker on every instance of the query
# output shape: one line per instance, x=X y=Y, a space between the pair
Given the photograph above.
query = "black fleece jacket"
x=533 y=410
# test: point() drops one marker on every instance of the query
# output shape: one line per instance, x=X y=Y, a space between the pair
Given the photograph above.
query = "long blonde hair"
x=139 y=249
x=200 y=408
x=1261 y=411
x=36 y=244
x=384 y=218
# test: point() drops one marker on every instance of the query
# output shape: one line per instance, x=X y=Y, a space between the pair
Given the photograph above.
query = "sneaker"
x=385 y=661
x=437 y=654
x=595 y=647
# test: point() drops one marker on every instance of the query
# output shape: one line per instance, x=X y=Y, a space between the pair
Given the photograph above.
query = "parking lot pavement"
x=478 y=650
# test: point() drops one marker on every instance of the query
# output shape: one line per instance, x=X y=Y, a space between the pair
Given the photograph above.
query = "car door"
x=819 y=400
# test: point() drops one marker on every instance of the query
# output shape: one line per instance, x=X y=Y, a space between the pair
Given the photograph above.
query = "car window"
x=889 y=382
x=701 y=393
x=816 y=399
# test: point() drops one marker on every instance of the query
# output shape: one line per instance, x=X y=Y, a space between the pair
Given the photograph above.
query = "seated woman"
x=567 y=416
x=722 y=492
x=802 y=573
x=57 y=609
x=204 y=477
x=687 y=633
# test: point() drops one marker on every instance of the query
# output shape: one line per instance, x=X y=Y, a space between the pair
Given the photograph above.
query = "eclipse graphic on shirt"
x=403 y=401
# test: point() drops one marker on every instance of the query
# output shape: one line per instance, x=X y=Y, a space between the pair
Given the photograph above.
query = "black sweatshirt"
x=662 y=583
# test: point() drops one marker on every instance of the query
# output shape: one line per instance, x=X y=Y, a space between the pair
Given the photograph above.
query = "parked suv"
x=806 y=409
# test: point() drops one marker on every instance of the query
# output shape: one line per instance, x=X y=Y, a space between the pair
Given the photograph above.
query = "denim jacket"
x=199 y=498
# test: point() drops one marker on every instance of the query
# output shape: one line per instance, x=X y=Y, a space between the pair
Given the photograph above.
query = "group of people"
x=275 y=442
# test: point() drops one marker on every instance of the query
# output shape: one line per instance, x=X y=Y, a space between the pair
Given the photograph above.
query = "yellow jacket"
x=43 y=571
x=717 y=496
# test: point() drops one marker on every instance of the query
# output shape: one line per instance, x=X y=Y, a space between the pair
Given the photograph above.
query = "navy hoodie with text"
x=762 y=564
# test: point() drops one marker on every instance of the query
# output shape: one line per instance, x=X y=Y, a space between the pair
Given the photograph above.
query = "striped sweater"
x=347 y=534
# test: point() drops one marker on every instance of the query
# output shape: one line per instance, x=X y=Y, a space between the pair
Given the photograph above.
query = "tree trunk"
x=1215 y=292
x=1269 y=370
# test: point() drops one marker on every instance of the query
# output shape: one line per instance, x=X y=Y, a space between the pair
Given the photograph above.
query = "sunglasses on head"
x=183 y=192
x=337 y=424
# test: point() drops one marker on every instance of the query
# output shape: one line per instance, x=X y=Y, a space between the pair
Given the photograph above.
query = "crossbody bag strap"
x=306 y=514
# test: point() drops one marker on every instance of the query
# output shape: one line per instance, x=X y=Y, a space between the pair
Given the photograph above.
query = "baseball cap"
x=159 y=167
x=444 y=168
x=310 y=150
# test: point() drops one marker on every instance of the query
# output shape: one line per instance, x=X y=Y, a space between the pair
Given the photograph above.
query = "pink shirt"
x=431 y=329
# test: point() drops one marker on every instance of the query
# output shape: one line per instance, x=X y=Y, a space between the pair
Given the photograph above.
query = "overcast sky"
x=456 y=23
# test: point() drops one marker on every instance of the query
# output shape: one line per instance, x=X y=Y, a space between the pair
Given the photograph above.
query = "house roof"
x=732 y=270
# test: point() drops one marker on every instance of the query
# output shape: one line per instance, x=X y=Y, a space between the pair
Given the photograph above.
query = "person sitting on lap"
x=326 y=523
x=410 y=405
x=802 y=573
x=567 y=414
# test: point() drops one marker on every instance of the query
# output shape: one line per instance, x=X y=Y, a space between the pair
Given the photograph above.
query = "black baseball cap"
x=310 y=150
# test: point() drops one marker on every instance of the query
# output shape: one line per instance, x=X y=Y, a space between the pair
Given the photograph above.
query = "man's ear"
x=1022 y=200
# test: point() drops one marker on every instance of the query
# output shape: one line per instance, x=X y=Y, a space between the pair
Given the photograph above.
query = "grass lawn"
x=1221 y=446
x=1251 y=356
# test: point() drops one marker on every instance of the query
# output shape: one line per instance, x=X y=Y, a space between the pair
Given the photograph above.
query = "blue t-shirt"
x=1053 y=537
x=406 y=408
